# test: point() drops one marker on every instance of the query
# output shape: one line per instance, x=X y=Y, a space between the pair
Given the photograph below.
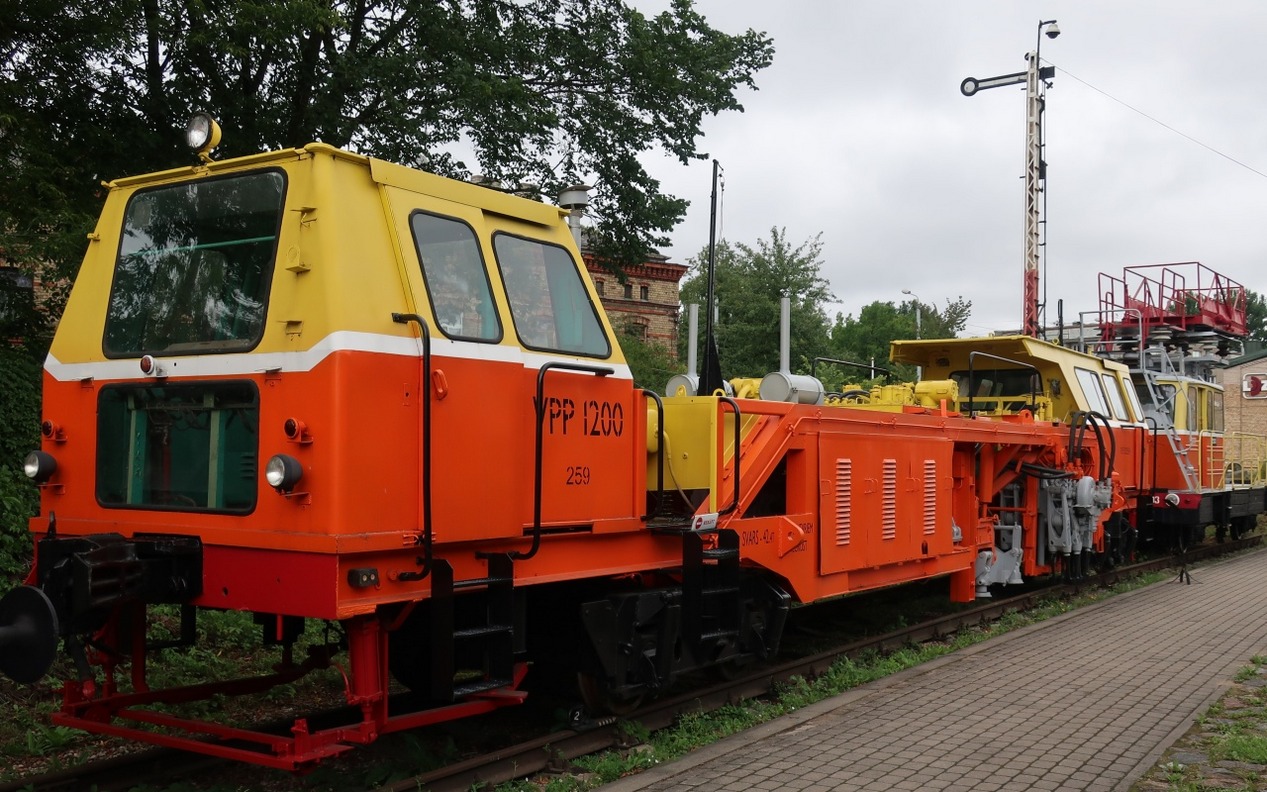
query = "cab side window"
x=457 y=282
x=1093 y=390
x=1114 y=391
x=549 y=305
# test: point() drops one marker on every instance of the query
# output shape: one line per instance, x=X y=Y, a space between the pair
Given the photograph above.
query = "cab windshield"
x=194 y=266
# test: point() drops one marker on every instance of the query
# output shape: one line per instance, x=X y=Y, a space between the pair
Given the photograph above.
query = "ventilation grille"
x=930 y=496
x=844 y=497
x=888 y=515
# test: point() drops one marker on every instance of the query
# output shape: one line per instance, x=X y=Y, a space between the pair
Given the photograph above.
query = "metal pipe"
x=692 y=339
x=785 y=335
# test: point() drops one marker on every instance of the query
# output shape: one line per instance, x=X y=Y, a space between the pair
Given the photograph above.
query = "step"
x=722 y=553
x=676 y=526
x=479 y=582
x=479 y=686
x=718 y=635
x=483 y=631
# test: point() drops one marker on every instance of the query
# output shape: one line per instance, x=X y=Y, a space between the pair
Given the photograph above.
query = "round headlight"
x=39 y=466
x=283 y=472
x=202 y=133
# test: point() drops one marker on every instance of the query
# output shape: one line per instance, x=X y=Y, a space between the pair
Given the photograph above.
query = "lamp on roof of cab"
x=202 y=134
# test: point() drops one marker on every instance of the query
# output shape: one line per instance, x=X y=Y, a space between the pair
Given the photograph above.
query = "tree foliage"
x=749 y=283
x=19 y=434
x=650 y=363
x=866 y=339
x=1255 y=316
x=542 y=91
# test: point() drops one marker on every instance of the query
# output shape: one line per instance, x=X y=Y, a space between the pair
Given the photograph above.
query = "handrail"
x=813 y=366
x=1247 y=451
x=1156 y=426
x=659 y=504
x=734 y=405
x=1033 y=392
x=1211 y=472
x=1143 y=445
x=598 y=371
x=424 y=563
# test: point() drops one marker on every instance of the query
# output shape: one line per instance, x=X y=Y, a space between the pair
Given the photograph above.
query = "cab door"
x=505 y=300
x=588 y=439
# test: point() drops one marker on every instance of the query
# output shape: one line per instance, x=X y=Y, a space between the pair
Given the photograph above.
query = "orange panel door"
x=884 y=502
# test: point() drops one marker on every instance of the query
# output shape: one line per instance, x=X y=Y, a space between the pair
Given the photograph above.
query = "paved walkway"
x=1085 y=701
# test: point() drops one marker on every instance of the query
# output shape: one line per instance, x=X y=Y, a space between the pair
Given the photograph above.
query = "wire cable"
x=1160 y=123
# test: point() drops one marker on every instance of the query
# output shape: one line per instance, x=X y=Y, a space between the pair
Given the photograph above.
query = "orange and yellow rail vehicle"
x=320 y=387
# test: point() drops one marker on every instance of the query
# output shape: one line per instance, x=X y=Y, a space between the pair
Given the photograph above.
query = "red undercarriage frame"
x=86 y=707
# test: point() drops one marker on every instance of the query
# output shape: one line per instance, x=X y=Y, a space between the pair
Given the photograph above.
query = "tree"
x=19 y=435
x=650 y=363
x=543 y=91
x=748 y=285
x=1255 y=316
x=868 y=337
x=933 y=323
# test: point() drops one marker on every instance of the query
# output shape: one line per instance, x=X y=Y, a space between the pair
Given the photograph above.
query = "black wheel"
x=409 y=652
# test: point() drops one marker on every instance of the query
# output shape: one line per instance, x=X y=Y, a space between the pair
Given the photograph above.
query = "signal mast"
x=1036 y=79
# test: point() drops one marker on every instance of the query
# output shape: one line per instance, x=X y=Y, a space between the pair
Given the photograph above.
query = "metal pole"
x=1034 y=78
x=1033 y=115
x=919 y=370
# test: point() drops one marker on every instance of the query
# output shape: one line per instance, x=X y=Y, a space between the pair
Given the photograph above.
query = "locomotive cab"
x=314 y=385
x=1004 y=375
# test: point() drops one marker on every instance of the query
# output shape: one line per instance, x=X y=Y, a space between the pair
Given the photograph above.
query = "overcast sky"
x=859 y=131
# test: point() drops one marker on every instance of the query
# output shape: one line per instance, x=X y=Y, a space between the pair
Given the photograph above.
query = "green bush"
x=19 y=434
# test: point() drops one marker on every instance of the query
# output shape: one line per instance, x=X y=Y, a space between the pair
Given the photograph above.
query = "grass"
x=230 y=645
x=27 y=732
x=1230 y=737
x=695 y=730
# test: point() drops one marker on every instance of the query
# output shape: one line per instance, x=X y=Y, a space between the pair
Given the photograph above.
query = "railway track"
x=554 y=752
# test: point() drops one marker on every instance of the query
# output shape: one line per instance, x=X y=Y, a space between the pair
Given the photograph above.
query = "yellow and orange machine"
x=313 y=385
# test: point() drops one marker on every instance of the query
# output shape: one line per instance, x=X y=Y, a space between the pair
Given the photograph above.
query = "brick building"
x=1245 y=393
x=646 y=303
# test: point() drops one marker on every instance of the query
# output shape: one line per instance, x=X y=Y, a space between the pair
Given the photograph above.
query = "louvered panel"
x=930 y=496
x=888 y=513
x=844 y=501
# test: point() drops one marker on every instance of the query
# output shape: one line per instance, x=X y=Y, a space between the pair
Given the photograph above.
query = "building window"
x=17 y=295
x=644 y=293
x=598 y=287
x=628 y=291
x=638 y=327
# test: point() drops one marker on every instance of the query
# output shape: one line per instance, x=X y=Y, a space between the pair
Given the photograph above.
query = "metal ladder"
x=711 y=601
x=1180 y=449
x=485 y=641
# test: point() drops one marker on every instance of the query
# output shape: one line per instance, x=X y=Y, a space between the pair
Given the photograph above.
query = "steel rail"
x=554 y=752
